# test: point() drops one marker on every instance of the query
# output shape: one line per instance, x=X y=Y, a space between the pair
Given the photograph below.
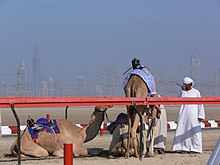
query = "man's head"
x=187 y=83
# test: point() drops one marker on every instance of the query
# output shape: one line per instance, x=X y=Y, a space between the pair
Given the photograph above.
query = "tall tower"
x=36 y=71
x=195 y=68
x=21 y=80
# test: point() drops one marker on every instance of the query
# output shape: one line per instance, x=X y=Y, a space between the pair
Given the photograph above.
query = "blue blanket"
x=42 y=124
x=121 y=118
x=146 y=76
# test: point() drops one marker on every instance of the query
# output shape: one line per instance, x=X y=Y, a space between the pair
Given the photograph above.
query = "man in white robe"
x=161 y=134
x=188 y=137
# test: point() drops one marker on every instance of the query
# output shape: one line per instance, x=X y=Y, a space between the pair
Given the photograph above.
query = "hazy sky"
x=76 y=36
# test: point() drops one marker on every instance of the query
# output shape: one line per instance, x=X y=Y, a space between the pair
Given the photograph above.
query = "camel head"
x=96 y=120
x=99 y=113
x=103 y=108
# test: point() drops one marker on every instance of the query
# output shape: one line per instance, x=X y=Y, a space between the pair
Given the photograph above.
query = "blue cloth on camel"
x=147 y=77
x=121 y=118
x=43 y=124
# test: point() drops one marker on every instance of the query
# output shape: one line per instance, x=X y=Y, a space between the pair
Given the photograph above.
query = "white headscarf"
x=188 y=80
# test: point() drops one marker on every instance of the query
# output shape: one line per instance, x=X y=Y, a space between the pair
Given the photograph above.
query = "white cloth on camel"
x=188 y=135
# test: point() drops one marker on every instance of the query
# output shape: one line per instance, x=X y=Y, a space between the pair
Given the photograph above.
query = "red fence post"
x=68 y=154
x=102 y=130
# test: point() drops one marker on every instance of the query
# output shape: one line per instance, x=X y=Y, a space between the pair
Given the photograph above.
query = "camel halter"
x=105 y=113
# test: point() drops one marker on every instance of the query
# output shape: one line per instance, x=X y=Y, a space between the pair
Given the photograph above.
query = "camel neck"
x=94 y=126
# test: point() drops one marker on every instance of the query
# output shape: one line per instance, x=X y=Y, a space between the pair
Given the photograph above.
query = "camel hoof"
x=137 y=155
x=143 y=155
x=156 y=153
x=150 y=154
x=126 y=156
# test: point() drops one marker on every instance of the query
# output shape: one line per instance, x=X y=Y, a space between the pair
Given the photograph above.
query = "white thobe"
x=188 y=135
x=161 y=130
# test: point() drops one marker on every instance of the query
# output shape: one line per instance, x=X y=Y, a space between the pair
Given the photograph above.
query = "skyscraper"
x=36 y=71
x=21 y=80
x=195 y=68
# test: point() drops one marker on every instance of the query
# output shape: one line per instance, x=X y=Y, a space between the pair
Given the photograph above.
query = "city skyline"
x=109 y=83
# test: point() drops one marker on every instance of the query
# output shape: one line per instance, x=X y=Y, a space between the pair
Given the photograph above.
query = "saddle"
x=42 y=124
x=121 y=118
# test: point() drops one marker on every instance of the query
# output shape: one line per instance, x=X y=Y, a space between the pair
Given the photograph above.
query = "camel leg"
x=144 y=137
x=84 y=152
x=78 y=150
x=28 y=147
x=123 y=136
x=134 y=134
x=153 y=122
x=129 y=138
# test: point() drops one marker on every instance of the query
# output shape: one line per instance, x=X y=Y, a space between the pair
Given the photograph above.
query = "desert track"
x=101 y=143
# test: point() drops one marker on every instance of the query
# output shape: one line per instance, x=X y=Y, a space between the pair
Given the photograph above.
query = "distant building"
x=51 y=87
x=5 y=89
x=44 y=88
x=48 y=87
x=21 y=80
x=194 y=68
x=98 y=90
x=36 y=71
x=80 y=86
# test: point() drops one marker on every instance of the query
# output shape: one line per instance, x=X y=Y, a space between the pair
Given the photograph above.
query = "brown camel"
x=119 y=132
x=136 y=87
x=118 y=144
x=52 y=144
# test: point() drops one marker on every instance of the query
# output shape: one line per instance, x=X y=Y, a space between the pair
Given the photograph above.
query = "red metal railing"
x=108 y=100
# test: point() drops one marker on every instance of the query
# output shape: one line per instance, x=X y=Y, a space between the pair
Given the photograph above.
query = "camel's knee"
x=133 y=133
x=58 y=153
x=122 y=151
x=34 y=151
x=42 y=153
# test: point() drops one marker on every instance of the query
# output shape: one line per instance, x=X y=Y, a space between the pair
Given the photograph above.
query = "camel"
x=119 y=130
x=136 y=87
x=52 y=144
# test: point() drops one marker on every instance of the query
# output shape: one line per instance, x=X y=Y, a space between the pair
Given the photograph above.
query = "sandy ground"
x=101 y=143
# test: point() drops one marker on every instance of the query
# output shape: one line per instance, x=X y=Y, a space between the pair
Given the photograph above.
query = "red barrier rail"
x=107 y=100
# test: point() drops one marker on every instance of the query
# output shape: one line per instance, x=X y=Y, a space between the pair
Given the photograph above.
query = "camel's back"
x=136 y=87
x=68 y=125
